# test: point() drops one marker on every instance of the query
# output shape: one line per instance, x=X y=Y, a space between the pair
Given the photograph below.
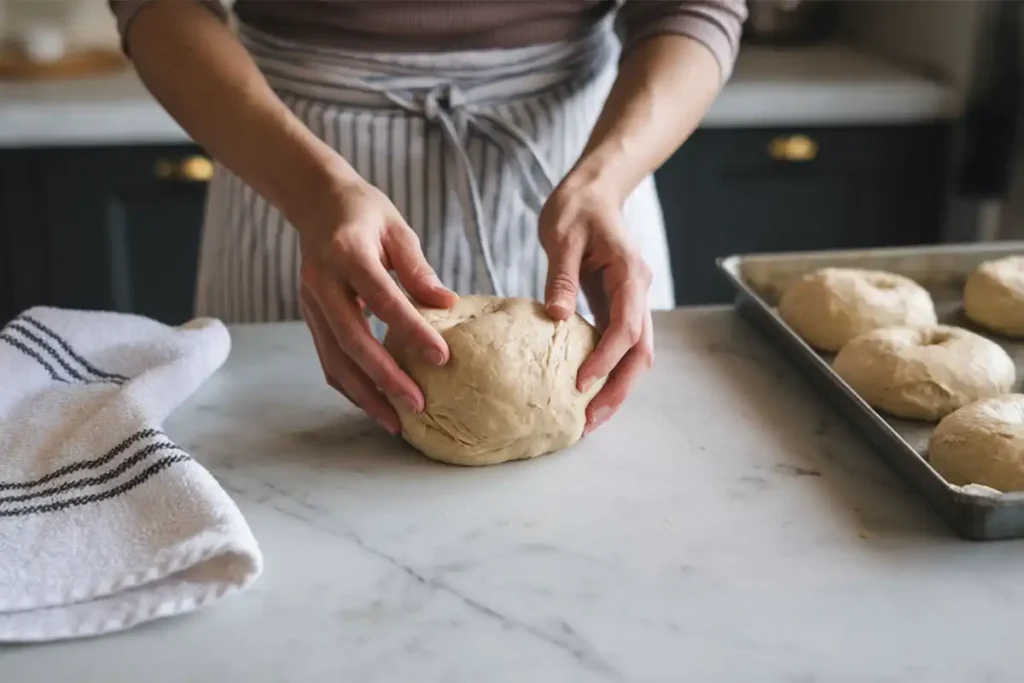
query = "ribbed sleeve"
x=126 y=10
x=715 y=23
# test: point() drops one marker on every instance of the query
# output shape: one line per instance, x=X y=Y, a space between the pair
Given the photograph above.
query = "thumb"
x=417 y=277
x=563 y=282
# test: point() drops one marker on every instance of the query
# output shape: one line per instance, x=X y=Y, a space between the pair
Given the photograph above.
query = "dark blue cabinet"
x=757 y=190
x=118 y=228
x=113 y=228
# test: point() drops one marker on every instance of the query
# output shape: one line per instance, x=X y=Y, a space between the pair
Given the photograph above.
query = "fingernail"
x=434 y=357
x=600 y=415
x=586 y=384
x=387 y=426
x=408 y=404
x=557 y=307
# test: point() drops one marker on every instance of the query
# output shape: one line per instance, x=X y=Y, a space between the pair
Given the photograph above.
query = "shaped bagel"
x=829 y=307
x=924 y=373
x=994 y=296
x=982 y=443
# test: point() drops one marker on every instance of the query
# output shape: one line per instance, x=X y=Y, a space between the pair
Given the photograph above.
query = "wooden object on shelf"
x=82 y=63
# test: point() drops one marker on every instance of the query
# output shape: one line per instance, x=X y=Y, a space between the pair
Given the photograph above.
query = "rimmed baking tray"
x=760 y=279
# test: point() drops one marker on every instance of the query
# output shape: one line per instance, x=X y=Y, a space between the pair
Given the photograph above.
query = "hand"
x=354 y=237
x=582 y=233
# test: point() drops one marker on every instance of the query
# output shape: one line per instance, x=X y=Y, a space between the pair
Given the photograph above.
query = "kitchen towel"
x=105 y=523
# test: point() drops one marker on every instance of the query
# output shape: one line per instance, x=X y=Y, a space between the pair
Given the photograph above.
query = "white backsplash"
x=86 y=22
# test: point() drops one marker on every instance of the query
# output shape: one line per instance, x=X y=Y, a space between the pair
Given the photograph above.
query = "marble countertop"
x=727 y=525
x=770 y=86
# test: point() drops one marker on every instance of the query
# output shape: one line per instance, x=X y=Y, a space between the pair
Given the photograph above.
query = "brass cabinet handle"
x=794 y=148
x=193 y=169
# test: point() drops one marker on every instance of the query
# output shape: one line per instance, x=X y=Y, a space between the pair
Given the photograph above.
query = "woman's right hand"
x=354 y=237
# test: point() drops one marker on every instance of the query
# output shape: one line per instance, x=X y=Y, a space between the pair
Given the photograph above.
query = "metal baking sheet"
x=760 y=279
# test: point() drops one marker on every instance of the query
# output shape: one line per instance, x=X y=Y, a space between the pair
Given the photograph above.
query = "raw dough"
x=831 y=306
x=924 y=373
x=508 y=391
x=982 y=443
x=994 y=296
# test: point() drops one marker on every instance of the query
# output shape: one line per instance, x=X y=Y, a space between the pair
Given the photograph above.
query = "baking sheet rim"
x=730 y=265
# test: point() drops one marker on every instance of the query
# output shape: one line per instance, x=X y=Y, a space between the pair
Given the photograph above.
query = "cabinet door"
x=732 y=191
x=123 y=227
x=23 y=267
x=7 y=310
x=6 y=299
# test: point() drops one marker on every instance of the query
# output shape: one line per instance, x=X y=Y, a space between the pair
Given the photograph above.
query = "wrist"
x=602 y=174
x=314 y=178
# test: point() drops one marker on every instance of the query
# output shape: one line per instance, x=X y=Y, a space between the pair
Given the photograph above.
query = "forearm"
x=204 y=78
x=664 y=88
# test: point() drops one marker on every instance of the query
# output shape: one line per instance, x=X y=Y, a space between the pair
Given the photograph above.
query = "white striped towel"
x=105 y=523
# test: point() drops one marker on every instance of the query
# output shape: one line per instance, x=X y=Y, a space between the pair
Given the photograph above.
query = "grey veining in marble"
x=725 y=526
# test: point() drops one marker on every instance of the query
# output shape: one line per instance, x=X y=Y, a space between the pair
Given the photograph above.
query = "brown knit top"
x=433 y=25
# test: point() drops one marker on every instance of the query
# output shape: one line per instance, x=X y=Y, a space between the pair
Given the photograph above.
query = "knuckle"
x=332 y=383
x=335 y=379
x=638 y=267
x=342 y=246
x=563 y=282
x=558 y=234
x=551 y=237
x=408 y=237
x=340 y=388
x=422 y=271
x=646 y=275
x=554 y=207
x=632 y=330
x=382 y=302
x=386 y=380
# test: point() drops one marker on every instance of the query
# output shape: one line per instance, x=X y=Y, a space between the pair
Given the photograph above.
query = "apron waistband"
x=455 y=90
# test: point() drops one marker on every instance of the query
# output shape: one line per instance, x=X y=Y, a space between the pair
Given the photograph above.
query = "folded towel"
x=105 y=523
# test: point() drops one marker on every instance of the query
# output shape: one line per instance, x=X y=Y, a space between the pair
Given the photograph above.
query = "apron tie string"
x=461 y=103
x=448 y=106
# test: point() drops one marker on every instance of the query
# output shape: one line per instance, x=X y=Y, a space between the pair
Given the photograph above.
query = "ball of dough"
x=830 y=306
x=982 y=443
x=994 y=296
x=924 y=373
x=508 y=391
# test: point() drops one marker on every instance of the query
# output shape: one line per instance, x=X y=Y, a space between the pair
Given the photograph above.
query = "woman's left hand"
x=588 y=248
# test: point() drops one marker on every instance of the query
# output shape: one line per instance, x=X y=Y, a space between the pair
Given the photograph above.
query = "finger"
x=343 y=375
x=563 y=285
x=593 y=288
x=419 y=279
x=351 y=332
x=385 y=300
x=364 y=394
x=322 y=337
x=625 y=327
x=621 y=380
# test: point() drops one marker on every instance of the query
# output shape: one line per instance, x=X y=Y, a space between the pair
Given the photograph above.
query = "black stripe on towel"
x=56 y=506
x=83 y=464
x=18 y=344
x=126 y=464
x=113 y=376
x=43 y=346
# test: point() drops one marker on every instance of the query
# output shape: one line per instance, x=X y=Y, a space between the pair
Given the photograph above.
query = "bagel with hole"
x=924 y=373
x=830 y=306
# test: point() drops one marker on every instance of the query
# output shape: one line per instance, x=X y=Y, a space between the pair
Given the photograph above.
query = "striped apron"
x=467 y=145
